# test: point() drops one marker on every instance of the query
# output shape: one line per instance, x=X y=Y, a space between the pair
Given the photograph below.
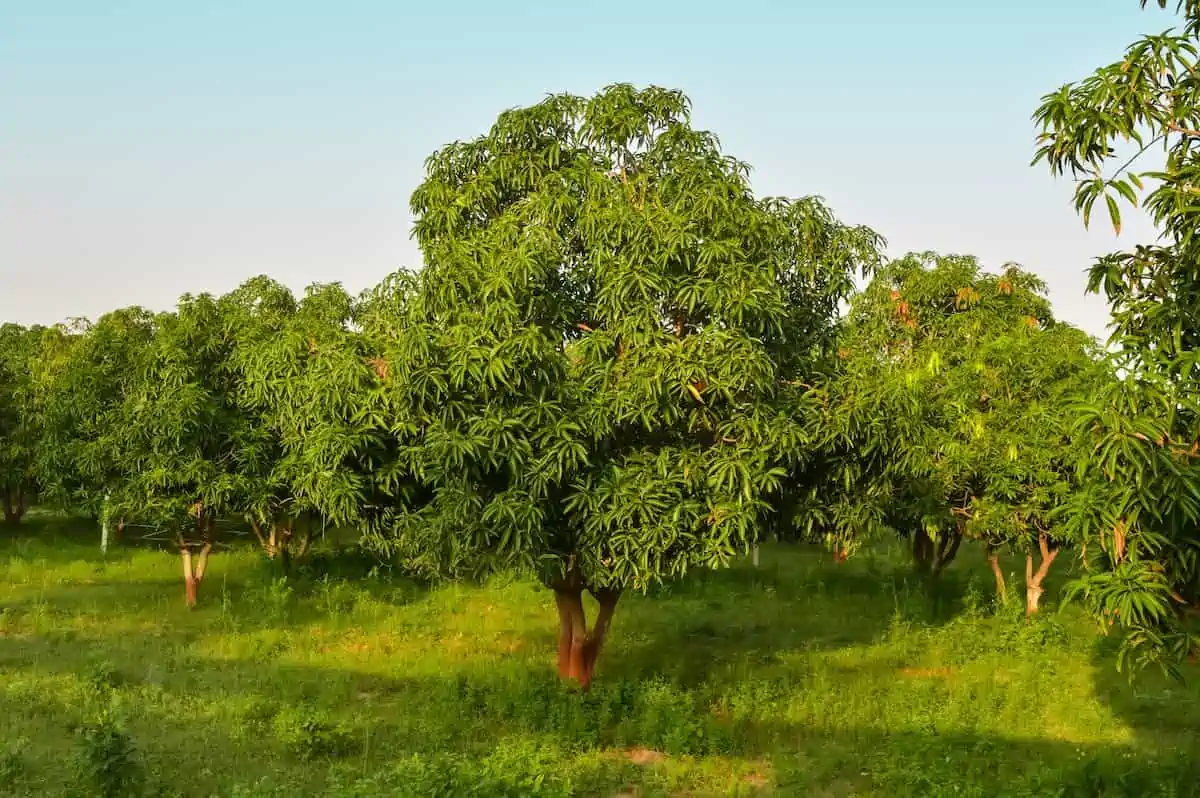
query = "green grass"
x=801 y=677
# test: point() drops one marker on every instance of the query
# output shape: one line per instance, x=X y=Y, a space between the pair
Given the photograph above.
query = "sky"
x=151 y=149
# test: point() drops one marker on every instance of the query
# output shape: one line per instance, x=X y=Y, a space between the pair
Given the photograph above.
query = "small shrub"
x=108 y=759
x=12 y=762
x=310 y=734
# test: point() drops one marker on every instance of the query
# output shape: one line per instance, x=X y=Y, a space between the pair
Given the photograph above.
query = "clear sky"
x=149 y=148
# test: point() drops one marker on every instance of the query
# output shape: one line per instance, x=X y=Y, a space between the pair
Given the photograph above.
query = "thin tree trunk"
x=947 y=548
x=202 y=562
x=595 y=639
x=305 y=541
x=257 y=530
x=189 y=580
x=994 y=560
x=13 y=510
x=754 y=554
x=922 y=551
x=1033 y=580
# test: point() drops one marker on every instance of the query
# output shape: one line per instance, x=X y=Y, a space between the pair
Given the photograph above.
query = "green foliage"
x=1144 y=505
x=588 y=377
x=950 y=413
x=108 y=760
x=22 y=414
x=310 y=734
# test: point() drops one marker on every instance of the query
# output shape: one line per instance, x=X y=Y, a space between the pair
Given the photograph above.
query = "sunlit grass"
x=801 y=677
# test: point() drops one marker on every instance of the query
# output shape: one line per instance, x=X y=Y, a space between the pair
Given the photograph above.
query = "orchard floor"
x=801 y=677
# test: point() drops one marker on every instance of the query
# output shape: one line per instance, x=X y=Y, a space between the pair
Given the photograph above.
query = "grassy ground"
x=801 y=677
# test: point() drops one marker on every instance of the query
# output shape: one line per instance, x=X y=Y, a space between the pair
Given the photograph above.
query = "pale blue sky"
x=149 y=148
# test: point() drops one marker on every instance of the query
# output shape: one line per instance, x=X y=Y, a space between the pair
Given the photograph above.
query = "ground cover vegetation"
x=618 y=373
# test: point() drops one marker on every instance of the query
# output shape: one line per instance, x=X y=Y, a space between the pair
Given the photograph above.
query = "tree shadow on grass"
x=626 y=733
x=722 y=623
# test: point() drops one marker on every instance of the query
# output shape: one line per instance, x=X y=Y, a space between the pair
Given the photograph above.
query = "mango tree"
x=949 y=417
x=182 y=434
x=592 y=375
x=308 y=378
x=81 y=459
x=255 y=317
x=1129 y=133
x=20 y=422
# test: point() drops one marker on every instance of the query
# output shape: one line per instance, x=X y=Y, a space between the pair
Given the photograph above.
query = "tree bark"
x=994 y=560
x=1033 y=580
x=922 y=552
x=599 y=633
x=189 y=580
x=257 y=530
x=579 y=649
x=14 y=506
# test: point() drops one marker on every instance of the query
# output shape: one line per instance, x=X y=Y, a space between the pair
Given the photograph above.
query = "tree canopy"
x=1145 y=502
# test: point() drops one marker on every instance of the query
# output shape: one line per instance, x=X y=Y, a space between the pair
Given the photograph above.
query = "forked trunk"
x=194 y=568
x=1034 y=579
x=993 y=556
x=930 y=556
x=578 y=649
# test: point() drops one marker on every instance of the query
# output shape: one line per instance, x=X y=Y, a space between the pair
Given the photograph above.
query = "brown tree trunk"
x=595 y=639
x=262 y=541
x=1033 y=580
x=994 y=560
x=14 y=506
x=195 y=568
x=305 y=540
x=578 y=649
x=947 y=547
x=931 y=557
x=572 y=632
x=922 y=551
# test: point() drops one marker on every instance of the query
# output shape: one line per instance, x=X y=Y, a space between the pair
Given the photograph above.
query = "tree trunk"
x=947 y=547
x=189 y=580
x=595 y=639
x=305 y=541
x=754 y=554
x=922 y=552
x=257 y=530
x=14 y=506
x=195 y=568
x=1033 y=580
x=578 y=649
x=994 y=560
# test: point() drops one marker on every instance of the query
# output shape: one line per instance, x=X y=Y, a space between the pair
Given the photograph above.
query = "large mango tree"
x=592 y=377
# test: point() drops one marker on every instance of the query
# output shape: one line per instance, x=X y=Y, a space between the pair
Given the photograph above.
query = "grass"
x=800 y=677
